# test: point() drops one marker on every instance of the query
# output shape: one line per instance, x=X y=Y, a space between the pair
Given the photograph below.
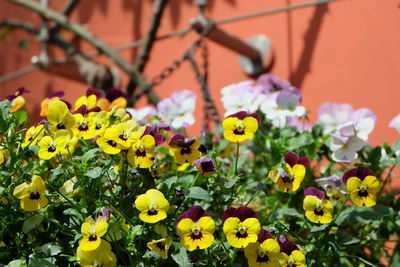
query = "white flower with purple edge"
x=244 y=96
x=177 y=110
x=142 y=113
x=279 y=106
x=332 y=115
x=364 y=121
x=345 y=144
x=395 y=123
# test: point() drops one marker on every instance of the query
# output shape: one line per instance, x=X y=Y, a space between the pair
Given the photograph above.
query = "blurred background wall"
x=344 y=51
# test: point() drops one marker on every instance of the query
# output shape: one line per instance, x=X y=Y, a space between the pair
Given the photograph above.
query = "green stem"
x=387 y=179
x=237 y=157
x=337 y=215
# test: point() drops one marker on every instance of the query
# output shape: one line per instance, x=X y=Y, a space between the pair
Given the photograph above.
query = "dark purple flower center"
x=34 y=196
x=112 y=143
x=51 y=149
x=185 y=150
x=242 y=235
x=160 y=245
x=362 y=193
x=193 y=236
x=238 y=132
x=265 y=258
x=140 y=153
x=60 y=126
x=83 y=129
x=92 y=237
x=122 y=137
x=318 y=212
x=152 y=212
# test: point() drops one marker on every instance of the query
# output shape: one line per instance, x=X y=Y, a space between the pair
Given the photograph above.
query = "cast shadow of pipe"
x=303 y=67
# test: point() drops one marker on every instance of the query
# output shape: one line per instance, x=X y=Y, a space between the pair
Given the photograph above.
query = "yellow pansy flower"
x=363 y=192
x=82 y=129
x=318 y=210
x=101 y=256
x=295 y=259
x=240 y=126
x=152 y=205
x=196 y=228
x=161 y=246
x=33 y=135
x=50 y=146
x=90 y=101
x=185 y=150
x=98 y=122
x=59 y=116
x=32 y=195
x=108 y=141
x=266 y=254
x=92 y=231
x=140 y=153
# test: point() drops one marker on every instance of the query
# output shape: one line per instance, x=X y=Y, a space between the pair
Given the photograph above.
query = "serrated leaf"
x=197 y=193
x=90 y=154
x=32 y=223
x=94 y=173
x=231 y=182
x=181 y=258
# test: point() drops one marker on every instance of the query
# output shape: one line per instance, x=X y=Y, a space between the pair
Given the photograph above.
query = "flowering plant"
x=97 y=185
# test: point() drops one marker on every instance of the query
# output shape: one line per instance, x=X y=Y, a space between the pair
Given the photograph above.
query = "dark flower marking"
x=34 y=196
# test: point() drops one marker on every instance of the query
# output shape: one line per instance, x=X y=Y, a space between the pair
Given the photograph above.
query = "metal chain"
x=210 y=111
x=169 y=70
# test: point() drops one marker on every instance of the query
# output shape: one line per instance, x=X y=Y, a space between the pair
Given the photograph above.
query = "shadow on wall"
x=310 y=39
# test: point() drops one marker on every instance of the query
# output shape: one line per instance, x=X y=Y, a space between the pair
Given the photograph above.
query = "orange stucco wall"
x=346 y=51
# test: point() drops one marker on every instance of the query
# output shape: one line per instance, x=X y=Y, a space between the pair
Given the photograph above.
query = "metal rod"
x=209 y=29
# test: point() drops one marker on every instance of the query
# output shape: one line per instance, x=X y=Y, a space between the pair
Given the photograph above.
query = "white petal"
x=344 y=155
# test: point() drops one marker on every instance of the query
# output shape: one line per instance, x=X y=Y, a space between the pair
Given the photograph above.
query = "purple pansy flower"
x=287 y=246
x=359 y=172
x=194 y=213
x=312 y=191
x=206 y=166
x=242 y=213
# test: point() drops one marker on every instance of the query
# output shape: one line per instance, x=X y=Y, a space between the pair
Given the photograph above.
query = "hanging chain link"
x=169 y=70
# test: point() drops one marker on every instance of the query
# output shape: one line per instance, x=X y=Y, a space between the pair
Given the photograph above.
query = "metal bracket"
x=256 y=53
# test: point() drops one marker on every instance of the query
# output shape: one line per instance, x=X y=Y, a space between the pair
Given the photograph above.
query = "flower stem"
x=237 y=158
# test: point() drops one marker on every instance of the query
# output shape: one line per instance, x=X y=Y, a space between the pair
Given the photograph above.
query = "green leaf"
x=362 y=214
x=396 y=146
x=280 y=213
x=318 y=228
x=181 y=258
x=32 y=223
x=50 y=249
x=345 y=239
x=21 y=116
x=94 y=173
x=4 y=115
x=41 y=262
x=197 y=193
x=90 y=154
x=231 y=182
x=300 y=141
x=16 y=263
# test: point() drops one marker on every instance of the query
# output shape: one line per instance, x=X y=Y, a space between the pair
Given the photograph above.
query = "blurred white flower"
x=395 y=123
x=177 y=110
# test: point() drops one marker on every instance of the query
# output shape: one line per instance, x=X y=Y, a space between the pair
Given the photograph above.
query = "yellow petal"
x=207 y=224
x=38 y=184
x=88 y=245
x=310 y=203
x=22 y=191
x=252 y=225
x=184 y=226
x=160 y=215
x=143 y=202
x=86 y=228
x=271 y=245
x=101 y=227
x=353 y=183
x=250 y=124
x=230 y=224
x=371 y=183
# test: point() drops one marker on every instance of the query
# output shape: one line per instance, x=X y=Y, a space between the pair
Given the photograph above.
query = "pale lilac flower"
x=364 y=121
x=279 y=106
x=142 y=113
x=244 y=96
x=333 y=114
x=333 y=182
x=395 y=123
x=177 y=110
x=272 y=83
x=345 y=144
